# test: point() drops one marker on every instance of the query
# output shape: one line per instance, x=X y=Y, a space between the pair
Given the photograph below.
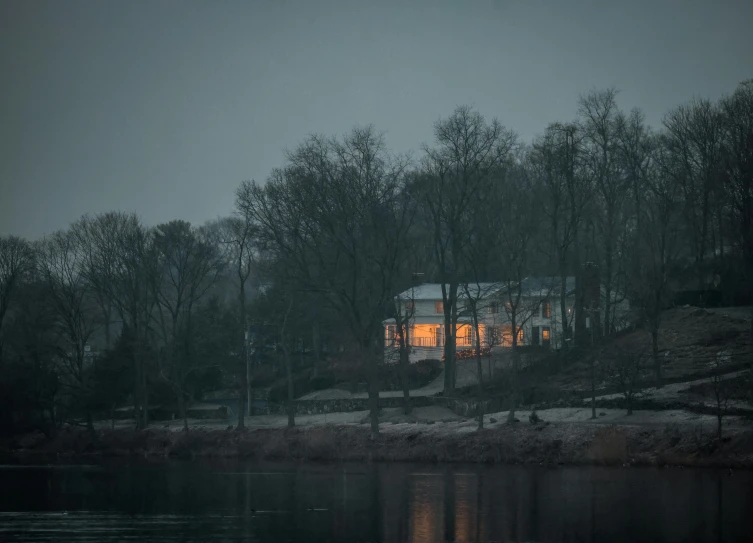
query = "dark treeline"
x=110 y=312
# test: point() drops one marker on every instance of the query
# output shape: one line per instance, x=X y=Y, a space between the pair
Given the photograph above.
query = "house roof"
x=433 y=291
x=539 y=287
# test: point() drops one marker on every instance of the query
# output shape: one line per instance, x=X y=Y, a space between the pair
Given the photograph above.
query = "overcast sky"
x=164 y=107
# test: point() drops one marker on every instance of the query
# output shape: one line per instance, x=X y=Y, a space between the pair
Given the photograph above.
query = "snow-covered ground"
x=440 y=419
x=674 y=391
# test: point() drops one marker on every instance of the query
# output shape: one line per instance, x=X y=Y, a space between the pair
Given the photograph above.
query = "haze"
x=163 y=108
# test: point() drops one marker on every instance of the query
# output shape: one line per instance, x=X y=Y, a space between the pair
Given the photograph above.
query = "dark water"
x=239 y=501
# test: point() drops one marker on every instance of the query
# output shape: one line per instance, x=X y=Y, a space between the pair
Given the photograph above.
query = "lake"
x=237 y=500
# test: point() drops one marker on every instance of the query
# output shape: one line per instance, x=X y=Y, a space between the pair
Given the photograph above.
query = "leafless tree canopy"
x=111 y=312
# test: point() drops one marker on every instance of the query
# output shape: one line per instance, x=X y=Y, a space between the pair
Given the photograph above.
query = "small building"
x=534 y=304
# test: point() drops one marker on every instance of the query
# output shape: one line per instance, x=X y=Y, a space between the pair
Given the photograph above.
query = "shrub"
x=465 y=354
x=424 y=372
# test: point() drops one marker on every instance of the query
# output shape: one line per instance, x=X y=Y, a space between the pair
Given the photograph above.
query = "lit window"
x=438 y=307
x=545 y=334
x=546 y=309
x=391 y=331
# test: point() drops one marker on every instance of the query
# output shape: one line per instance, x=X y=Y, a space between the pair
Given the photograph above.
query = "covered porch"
x=427 y=340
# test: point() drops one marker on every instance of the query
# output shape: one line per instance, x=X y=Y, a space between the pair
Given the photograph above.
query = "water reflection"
x=390 y=503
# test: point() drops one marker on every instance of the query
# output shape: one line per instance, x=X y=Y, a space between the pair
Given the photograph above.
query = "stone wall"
x=463 y=407
x=347 y=405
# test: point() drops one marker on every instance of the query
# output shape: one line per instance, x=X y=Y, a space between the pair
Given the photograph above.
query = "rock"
x=492 y=420
x=533 y=418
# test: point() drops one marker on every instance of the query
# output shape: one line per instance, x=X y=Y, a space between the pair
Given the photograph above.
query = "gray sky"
x=164 y=107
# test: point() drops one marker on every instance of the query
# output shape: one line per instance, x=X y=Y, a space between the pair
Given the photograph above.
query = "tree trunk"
x=241 y=404
x=137 y=400
x=183 y=410
x=403 y=364
x=373 y=362
x=249 y=386
x=593 y=383
x=316 y=345
x=90 y=423
x=480 y=374
x=655 y=354
x=145 y=397
x=450 y=321
x=243 y=362
x=719 y=422
x=514 y=380
x=607 y=306
x=290 y=408
x=563 y=305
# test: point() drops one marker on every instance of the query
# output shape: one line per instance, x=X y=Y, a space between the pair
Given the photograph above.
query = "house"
x=534 y=303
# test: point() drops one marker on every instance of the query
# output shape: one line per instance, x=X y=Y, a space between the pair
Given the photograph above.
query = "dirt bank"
x=520 y=443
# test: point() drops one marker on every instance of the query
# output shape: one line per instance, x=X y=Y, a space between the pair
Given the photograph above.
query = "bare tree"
x=186 y=265
x=402 y=313
x=337 y=216
x=517 y=227
x=655 y=251
x=16 y=261
x=737 y=164
x=62 y=265
x=117 y=251
x=237 y=235
x=627 y=368
x=468 y=151
x=601 y=122
x=722 y=389
x=477 y=296
x=555 y=161
x=31 y=353
x=694 y=134
x=285 y=341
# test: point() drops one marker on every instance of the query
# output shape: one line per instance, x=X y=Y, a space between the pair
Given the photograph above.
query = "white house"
x=538 y=316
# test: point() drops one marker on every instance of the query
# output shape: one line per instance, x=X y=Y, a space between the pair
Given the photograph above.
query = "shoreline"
x=551 y=444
